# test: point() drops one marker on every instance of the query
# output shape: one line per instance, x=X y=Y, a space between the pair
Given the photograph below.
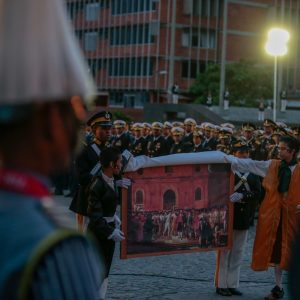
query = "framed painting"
x=177 y=209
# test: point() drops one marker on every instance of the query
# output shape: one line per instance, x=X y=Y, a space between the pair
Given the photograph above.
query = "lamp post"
x=276 y=46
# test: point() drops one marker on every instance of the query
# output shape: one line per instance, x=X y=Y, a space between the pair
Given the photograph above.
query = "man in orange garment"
x=277 y=222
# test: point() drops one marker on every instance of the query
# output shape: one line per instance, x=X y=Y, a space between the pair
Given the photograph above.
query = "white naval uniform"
x=229 y=261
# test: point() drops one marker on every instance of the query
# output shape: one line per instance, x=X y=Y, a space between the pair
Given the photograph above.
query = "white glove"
x=236 y=197
x=298 y=206
x=124 y=183
x=117 y=236
x=117 y=221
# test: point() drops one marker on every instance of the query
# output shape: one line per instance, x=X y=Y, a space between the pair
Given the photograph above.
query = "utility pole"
x=172 y=46
x=223 y=56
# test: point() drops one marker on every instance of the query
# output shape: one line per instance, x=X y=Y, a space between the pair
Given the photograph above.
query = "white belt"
x=109 y=219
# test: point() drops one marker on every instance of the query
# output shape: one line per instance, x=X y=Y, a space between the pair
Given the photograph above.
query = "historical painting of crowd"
x=168 y=210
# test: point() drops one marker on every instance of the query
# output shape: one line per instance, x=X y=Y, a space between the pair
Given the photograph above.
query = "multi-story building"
x=144 y=50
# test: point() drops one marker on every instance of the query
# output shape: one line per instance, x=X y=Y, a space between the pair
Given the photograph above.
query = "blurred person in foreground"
x=41 y=257
x=279 y=211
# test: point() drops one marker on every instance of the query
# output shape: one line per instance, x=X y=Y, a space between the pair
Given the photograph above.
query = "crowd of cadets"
x=159 y=139
x=207 y=226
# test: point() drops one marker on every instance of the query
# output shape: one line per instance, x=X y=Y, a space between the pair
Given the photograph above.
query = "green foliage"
x=246 y=82
x=119 y=115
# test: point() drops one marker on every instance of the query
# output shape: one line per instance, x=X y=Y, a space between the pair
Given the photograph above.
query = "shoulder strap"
x=243 y=181
x=97 y=166
x=96 y=149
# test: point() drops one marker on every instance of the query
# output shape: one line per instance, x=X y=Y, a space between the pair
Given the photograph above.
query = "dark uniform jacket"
x=254 y=146
x=262 y=151
x=181 y=147
x=157 y=147
x=198 y=148
x=188 y=138
x=102 y=202
x=84 y=164
x=122 y=141
x=169 y=142
x=249 y=185
x=210 y=144
x=138 y=147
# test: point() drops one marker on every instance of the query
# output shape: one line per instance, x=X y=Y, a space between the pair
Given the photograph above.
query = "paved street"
x=176 y=277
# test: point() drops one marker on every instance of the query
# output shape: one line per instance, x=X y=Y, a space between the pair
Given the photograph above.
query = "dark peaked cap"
x=248 y=126
x=240 y=145
x=102 y=118
x=268 y=122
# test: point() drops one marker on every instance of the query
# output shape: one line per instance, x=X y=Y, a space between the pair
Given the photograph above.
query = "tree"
x=246 y=81
x=119 y=115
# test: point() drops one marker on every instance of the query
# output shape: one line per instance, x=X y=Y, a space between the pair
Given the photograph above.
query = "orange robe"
x=274 y=206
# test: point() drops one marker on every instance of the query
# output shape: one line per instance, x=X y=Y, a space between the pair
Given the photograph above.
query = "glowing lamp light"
x=276 y=46
x=277 y=40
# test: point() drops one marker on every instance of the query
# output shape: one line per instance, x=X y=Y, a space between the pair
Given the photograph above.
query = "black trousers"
x=106 y=248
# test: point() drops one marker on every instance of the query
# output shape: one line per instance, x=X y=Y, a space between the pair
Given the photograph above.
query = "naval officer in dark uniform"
x=87 y=163
x=157 y=146
x=167 y=135
x=139 y=144
x=122 y=138
x=198 y=138
x=179 y=145
x=103 y=199
x=247 y=188
x=266 y=140
x=189 y=126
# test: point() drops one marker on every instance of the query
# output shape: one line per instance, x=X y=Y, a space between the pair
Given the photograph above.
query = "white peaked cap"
x=40 y=60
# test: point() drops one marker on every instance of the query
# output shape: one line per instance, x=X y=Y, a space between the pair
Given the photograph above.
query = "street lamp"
x=276 y=46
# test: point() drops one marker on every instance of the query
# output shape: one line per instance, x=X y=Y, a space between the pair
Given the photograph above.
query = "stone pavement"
x=180 y=276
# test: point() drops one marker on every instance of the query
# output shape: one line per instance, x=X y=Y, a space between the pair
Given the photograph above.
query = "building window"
x=205 y=8
x=129 y=99
x=116 y=98
x=90 y=41
x=199 y=38
x=104 y=3
x=131 y=6
x=130 y=66
x=139 y=198
x=131 y=35
x=198 y=194
x=190 y=69
x=92 y=11
x=74 y=8
x=208 y=39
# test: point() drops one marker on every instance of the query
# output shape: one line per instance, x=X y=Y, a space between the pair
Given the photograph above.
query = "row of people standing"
x=159 y=139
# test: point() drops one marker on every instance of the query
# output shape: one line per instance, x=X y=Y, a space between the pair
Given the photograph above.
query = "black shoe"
x=235 y=292
x=223 y=292
x=276 y=293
